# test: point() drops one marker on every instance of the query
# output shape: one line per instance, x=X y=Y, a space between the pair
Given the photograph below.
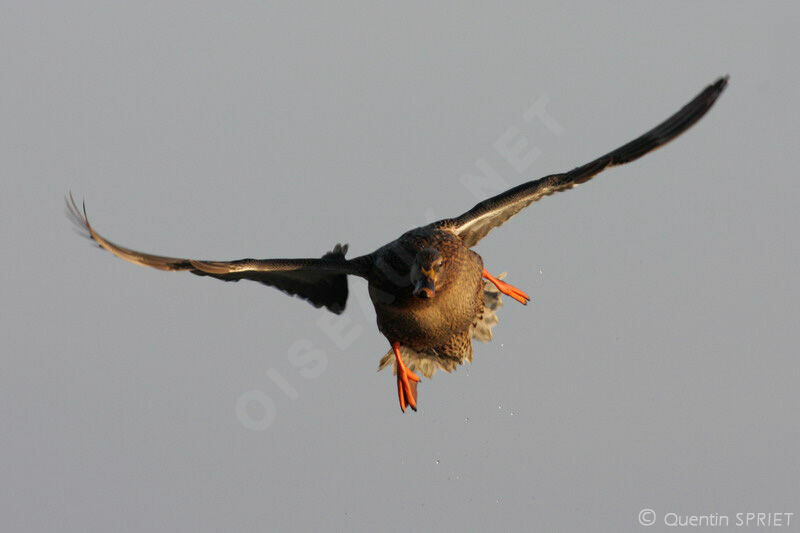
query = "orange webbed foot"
x=406 y=381
x=507 y=289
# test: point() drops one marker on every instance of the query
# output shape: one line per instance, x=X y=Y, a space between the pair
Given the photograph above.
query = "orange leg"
x=505 y=288
x=406 y=381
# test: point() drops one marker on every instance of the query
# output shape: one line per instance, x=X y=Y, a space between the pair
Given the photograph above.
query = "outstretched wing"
x=473 y=225
x=323 y=282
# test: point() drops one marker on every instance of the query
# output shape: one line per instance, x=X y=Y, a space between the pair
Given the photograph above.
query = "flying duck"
x=431 y=292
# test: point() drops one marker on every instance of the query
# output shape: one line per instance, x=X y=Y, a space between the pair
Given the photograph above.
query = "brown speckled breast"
x=424 y=324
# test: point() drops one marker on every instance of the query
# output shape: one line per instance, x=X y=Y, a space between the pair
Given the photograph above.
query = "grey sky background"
x=655 y=368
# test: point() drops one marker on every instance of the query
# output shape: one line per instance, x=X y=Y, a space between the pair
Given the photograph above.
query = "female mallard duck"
x=427 y=286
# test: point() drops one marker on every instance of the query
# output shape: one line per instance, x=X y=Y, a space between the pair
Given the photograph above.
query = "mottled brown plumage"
x=439 y=329
x=427 y=286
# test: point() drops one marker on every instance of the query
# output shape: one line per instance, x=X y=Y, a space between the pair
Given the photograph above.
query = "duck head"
x=427 y=273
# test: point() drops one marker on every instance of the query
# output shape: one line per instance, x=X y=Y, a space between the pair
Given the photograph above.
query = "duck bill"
x=424 y=288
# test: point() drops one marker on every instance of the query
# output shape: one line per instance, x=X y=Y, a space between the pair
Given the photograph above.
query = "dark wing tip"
x=710 y=94
x=78 y=216
x=665 y=132
x=716 y=88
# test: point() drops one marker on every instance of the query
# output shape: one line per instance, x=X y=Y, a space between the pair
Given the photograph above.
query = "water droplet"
x=466 y=420
x=499 y=406
x=512 y=413
x=540 y=272
x=437 y=461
